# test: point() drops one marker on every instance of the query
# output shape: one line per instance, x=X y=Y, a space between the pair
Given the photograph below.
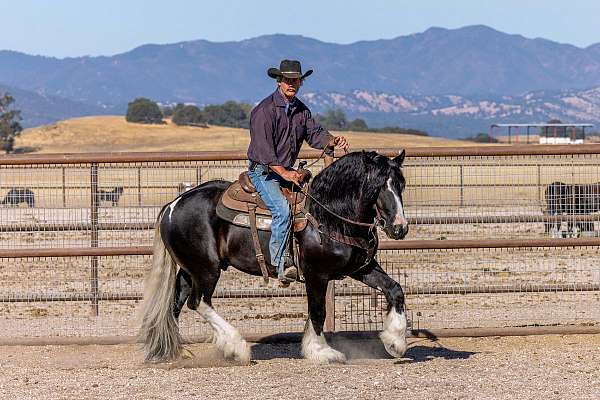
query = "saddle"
x=241 y=205
x=241 y=197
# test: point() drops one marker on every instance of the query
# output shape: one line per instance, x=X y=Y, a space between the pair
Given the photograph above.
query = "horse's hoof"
x=395 y=346
x=237 y=351
x=327 y=356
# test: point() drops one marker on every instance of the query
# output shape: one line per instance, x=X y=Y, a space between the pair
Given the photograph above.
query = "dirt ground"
x=542 y=367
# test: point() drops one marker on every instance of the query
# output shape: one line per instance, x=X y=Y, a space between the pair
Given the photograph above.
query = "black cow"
x=15 y=196
x=576 y=199
x=111 y=195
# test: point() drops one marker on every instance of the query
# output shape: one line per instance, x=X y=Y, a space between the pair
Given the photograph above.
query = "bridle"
x=378 y=221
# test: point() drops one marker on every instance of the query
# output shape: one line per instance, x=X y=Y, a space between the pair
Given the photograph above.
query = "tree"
x=144 y=111
x=482 y=138
x=189 y=115
x=167 y=111
x=357 y=124
x=333 y=120
x=231 y=113
x=10 y=127
x=178 y=107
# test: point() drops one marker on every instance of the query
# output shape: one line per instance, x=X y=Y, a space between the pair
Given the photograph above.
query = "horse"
x=111 y=195
x=18 y=195
x=571 y=199
x=347 y=201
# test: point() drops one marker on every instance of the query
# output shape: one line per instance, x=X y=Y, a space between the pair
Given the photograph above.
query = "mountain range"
x=441 y=80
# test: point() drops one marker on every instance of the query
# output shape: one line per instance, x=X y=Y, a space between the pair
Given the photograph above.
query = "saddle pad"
x=263 y=222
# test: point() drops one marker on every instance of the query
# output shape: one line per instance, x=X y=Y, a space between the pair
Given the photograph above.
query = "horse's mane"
x=349 y=187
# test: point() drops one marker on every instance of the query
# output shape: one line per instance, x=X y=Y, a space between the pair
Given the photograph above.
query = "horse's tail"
x=159 y=331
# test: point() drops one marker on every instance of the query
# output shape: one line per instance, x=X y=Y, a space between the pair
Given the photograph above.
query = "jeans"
x=268 y=185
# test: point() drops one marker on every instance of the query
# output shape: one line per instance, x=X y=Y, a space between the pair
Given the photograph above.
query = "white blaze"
x=399 y=219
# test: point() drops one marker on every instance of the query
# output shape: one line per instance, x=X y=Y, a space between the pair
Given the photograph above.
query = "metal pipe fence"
x=479 y=254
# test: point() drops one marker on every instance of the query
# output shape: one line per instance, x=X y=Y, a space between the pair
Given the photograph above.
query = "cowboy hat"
x=288 y=69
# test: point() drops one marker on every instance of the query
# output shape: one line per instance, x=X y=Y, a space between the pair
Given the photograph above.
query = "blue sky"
x=63 y=28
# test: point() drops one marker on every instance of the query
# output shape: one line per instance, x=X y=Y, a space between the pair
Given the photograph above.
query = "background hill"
x=112 y=133
x=40 y=109
x=476 y=63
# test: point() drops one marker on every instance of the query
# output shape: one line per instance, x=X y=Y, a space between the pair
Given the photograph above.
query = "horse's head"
x=389 y=203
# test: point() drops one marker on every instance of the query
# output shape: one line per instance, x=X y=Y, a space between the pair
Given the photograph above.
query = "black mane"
x=349 y=187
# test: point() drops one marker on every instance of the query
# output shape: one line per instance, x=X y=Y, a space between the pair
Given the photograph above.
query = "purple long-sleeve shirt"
x=276 y=138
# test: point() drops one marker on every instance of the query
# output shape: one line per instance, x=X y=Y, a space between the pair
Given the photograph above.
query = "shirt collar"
x=282 y=101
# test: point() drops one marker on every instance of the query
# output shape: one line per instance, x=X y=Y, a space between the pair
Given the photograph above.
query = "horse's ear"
x=400 y=158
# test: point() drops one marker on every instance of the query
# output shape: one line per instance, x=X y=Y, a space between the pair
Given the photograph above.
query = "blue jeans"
x=268 y=186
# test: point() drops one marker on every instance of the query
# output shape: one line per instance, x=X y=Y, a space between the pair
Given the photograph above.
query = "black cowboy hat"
x=288 y=69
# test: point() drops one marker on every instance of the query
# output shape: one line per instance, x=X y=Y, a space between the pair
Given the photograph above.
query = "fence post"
x=139 y=181
x=198 y=175
x=94 y=236
x=462 y=187
x=539 y=184
x=64 y=189
x=330 y=295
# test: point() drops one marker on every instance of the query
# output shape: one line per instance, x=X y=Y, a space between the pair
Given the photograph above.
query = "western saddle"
x=241 y=205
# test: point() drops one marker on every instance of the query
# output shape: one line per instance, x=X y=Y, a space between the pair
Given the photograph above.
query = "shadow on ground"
x=361 y=350
x=417 y=354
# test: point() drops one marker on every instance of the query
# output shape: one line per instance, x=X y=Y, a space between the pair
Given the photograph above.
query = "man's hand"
x=288 y=175
x=341 y=142
x=293 y=176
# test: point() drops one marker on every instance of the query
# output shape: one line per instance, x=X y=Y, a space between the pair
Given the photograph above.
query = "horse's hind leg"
x=183 y=290
x=393 y=335
x=225 y=336
x=314 y=345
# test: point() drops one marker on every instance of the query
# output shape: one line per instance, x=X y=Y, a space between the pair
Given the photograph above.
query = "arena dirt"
x=543 y=367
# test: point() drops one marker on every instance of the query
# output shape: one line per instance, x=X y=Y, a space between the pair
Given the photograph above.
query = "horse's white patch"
x=172 y=207
x=315 y=347
x=399 y=219
x=226 y=337
x=394 y=333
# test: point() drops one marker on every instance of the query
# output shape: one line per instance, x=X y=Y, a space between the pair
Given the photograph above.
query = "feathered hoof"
x=237 y=350
x=326 y=356
x=394 y=345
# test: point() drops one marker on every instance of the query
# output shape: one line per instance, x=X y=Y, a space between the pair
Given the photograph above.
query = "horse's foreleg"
x=393 y=335
x=314 y=344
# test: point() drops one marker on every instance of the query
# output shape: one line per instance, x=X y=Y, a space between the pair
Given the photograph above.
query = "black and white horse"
x=571 y=199
x=361 y=186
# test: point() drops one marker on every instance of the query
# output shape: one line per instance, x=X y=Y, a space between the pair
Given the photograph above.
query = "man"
x=278 y=126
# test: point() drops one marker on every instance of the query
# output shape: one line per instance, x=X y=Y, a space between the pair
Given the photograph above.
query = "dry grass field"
x=113 y=133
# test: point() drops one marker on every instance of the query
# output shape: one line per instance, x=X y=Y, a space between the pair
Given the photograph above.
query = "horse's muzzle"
x=397 y=232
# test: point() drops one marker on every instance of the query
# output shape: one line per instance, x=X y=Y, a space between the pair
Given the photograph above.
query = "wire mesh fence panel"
x=478 y=197
x=481 y=288
x=61 y=297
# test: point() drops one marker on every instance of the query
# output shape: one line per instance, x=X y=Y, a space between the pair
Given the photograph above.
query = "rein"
x=378 y=219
